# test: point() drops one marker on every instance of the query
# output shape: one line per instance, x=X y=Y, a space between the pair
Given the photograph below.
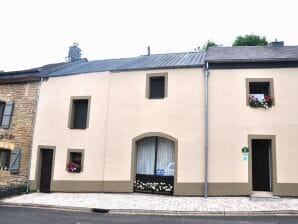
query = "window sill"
x=74 y=171
x=77 y=128
x=266 y=108
x=157 y=98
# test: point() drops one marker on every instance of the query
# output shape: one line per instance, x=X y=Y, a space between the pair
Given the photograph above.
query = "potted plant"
x=152 y=186
x=263 y=103
x=73 y=167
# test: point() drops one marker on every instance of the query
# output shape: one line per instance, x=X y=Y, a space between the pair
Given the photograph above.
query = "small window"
x=79 y=113
x=156 y=86
x=4 y=159
x=6 y=109
x=75 y=161
x=260 y=90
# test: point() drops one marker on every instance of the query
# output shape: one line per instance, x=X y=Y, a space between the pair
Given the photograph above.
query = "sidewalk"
x=157 y=204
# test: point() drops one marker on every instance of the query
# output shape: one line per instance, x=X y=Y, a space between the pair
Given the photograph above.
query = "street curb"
x=204 y=213
x=54 y=207
x=155 y=212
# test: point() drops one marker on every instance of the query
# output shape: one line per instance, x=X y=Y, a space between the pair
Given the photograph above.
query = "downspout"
x=34 y=121
x=106 y=132
x=206 y=74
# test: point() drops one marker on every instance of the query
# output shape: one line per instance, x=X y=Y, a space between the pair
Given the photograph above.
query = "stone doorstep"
x=157 y=212
x=263 y=196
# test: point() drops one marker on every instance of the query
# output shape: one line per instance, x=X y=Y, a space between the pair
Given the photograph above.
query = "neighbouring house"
x=18 y=98
x=18 y=102
x=253 y=125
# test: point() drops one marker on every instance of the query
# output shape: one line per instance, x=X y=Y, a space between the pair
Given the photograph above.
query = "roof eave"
x=19 y=72
x=9 y=80
x=252 y=64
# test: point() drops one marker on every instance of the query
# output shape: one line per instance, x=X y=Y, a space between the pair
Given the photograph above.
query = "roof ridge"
x=267 y=46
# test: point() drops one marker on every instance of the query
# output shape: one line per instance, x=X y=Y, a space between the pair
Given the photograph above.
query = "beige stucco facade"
x=231 y=121
x=119 y=113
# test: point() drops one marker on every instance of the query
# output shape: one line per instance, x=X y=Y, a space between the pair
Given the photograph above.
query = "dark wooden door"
x=46 y=170
x=261 y=165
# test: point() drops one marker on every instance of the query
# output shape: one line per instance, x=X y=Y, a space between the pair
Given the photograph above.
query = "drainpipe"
x=206 y=74
x=34 y=121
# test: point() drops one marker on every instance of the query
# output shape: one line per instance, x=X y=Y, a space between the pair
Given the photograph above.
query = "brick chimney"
x=74 y=52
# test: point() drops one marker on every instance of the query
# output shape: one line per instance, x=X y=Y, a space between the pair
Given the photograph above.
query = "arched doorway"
x=155 y=165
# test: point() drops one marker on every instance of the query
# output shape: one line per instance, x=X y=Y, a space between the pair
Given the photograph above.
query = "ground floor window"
x=75 y=159
x=4 y=159
x=155 y=165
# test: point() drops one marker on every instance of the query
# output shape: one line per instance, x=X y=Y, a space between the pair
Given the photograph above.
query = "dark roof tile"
x=252 y=54
x=154 y=61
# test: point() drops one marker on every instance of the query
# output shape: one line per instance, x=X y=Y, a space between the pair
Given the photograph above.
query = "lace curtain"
x=146 y=157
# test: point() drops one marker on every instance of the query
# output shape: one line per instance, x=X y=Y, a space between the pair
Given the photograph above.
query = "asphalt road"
x=23 y=215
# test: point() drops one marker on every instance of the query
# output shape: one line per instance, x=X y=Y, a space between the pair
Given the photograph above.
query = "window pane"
x=80 y=113
x=2 y=107
x=4 y=159
x=76 y=157
x=165 y=157
x=146 y=156
x=259 y=88
x=157 y=87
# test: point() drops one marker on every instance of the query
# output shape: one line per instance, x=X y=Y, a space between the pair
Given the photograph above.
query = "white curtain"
x=146 y=156
x=165 y=157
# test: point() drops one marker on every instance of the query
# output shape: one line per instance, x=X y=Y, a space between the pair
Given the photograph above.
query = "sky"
x=39 y=32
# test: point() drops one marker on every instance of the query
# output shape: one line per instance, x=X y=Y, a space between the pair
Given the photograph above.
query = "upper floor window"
x=79 y=112
x=157 y=85
x=5 y=113
x=4 y=159
x=260 y=92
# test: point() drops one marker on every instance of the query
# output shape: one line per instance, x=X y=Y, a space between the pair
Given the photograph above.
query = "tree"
x=208 y=44
x=250 y=40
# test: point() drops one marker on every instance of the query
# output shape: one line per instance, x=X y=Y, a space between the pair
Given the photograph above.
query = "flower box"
x=73 y=167
x=150 y=187
x=262 y=103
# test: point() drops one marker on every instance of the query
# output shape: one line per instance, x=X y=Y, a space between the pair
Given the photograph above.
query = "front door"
x=46 y=170
x=261 y=164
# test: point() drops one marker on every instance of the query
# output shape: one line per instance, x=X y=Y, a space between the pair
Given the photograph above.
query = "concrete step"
x=263 y=196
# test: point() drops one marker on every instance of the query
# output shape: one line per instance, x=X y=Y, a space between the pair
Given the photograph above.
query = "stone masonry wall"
x=24 y=96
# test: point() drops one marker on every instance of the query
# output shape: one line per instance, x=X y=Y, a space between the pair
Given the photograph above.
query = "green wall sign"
x=245 y=150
